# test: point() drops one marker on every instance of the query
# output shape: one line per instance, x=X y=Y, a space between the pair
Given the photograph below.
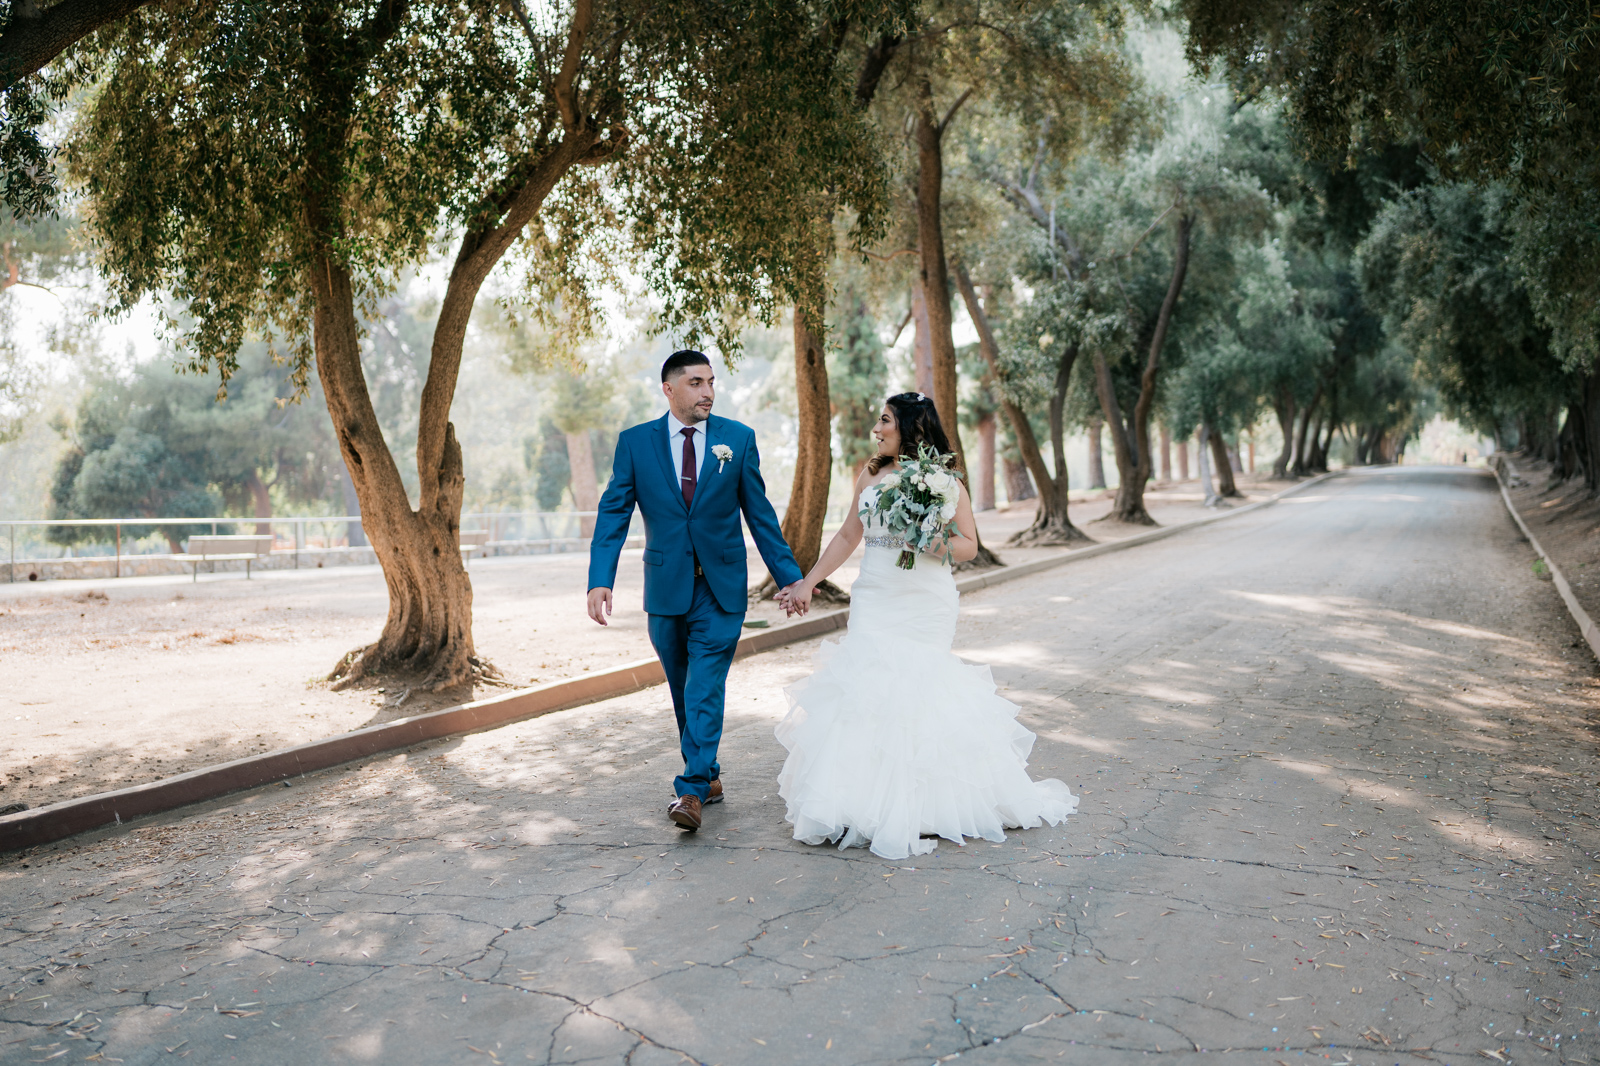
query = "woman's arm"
x=964 y=543
x=833 y=556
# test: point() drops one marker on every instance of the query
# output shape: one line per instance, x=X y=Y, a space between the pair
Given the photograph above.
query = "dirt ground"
x=1566 y=522
x=109 y=684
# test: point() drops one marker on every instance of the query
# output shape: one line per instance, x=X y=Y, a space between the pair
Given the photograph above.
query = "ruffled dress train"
x=893 y=738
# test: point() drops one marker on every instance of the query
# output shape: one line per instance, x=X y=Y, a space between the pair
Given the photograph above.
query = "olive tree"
x=276 y=167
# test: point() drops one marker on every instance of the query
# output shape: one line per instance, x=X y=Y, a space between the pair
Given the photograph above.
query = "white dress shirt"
x=675 y=447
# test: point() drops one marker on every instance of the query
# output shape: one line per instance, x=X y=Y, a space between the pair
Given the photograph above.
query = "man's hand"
x=796 y=599
x=600 y=605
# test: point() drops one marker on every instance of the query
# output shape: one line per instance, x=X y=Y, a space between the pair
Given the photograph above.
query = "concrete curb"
x=1585 y=624
x=69 y=817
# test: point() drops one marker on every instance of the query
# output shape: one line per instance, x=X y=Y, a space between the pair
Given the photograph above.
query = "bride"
x=894 y=739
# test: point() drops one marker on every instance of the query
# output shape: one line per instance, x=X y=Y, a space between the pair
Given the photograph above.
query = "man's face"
x=690 y=393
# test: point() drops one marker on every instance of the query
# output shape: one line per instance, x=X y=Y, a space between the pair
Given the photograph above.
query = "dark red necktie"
x=689 y=471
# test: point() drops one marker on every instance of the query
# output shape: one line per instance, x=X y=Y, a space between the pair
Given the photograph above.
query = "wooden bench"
x=225 y=548
x=471 y=541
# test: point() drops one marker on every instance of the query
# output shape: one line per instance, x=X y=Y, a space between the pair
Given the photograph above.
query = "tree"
x=1053 y=67
x=875 y=41
x=1438 y=264
x=278 y=166
x=31 y=36
x=1051 y=524
x=159 y=445
x=1487 y=91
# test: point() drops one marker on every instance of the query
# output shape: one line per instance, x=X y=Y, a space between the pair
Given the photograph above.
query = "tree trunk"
x=985 y=495
x=1570 y=457
x=261 y=503
x=354 y=536
x=1313 y=463
x=1183 y=459
x=1589 y=434
x=585 y=488
x=813 y=467
x=1166 y=453
x=935 y=279
x=1284 y=408
x=921 y=340
x=1299 y=464
x=1097 y=460
x=428 y=632
x=1019 y=486
x=1220 y=458
x=1132 y=450
x=1202 y=441
x=1051 y=525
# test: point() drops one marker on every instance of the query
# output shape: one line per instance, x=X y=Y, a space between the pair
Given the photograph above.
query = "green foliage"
x=197 y=160
x=1489 y=90
x=159 y=445
x=1439 y=265
x=30 y=188
x=858 y=379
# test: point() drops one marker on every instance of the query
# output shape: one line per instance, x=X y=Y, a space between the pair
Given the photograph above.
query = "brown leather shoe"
x=685 y=810
x=716 y=792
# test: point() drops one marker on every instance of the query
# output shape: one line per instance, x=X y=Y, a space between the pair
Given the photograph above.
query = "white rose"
x=919 y=480
x=948 y=511
x=890 y=480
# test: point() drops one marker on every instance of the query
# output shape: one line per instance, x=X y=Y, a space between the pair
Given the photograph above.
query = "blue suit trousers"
x=696 y=650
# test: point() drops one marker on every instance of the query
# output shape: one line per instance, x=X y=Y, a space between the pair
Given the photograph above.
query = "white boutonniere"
x=723 y=454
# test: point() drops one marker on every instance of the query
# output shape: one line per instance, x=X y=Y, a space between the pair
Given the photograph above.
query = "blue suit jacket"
x=676 y=534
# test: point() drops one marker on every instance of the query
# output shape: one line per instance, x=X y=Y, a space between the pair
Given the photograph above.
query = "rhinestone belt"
x=885 y=542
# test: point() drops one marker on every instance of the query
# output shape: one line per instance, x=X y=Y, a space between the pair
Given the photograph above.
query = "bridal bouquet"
x=916 y=502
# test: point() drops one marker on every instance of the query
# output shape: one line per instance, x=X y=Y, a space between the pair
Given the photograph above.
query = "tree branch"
x=950 y=114
x=381 y=27
x=888 y=258
x=29 y=42
x=582 y=16
x=876 y=62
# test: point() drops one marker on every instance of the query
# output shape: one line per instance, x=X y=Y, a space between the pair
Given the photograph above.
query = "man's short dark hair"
x=678 y=360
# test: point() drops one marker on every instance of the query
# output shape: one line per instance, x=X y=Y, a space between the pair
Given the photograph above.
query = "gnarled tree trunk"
x=935 y=278
x=813 y=466
x=1019 y=486
x=1097 y=449
x=1301 y=462
x=1284 y=408
x=1222 y=461
x=1051 y=525
x=427 y=636
x=1132 y=450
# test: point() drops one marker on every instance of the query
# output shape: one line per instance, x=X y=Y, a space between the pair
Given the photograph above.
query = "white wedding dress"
x=894 y=738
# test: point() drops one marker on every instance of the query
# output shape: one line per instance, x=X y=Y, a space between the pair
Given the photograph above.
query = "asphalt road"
x=1338 y=776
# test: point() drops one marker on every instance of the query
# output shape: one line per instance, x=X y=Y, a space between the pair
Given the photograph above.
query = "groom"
x=690 y=473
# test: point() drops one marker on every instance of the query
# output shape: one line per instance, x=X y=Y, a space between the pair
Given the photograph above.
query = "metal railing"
x=506 y=529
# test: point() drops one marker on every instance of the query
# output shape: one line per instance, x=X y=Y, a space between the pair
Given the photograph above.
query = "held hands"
x=795 y=599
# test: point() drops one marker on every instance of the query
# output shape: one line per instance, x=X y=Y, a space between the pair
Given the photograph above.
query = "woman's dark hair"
x=918 y=421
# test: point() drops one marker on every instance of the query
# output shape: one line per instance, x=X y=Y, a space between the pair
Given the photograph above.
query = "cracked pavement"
x=1338 y=776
